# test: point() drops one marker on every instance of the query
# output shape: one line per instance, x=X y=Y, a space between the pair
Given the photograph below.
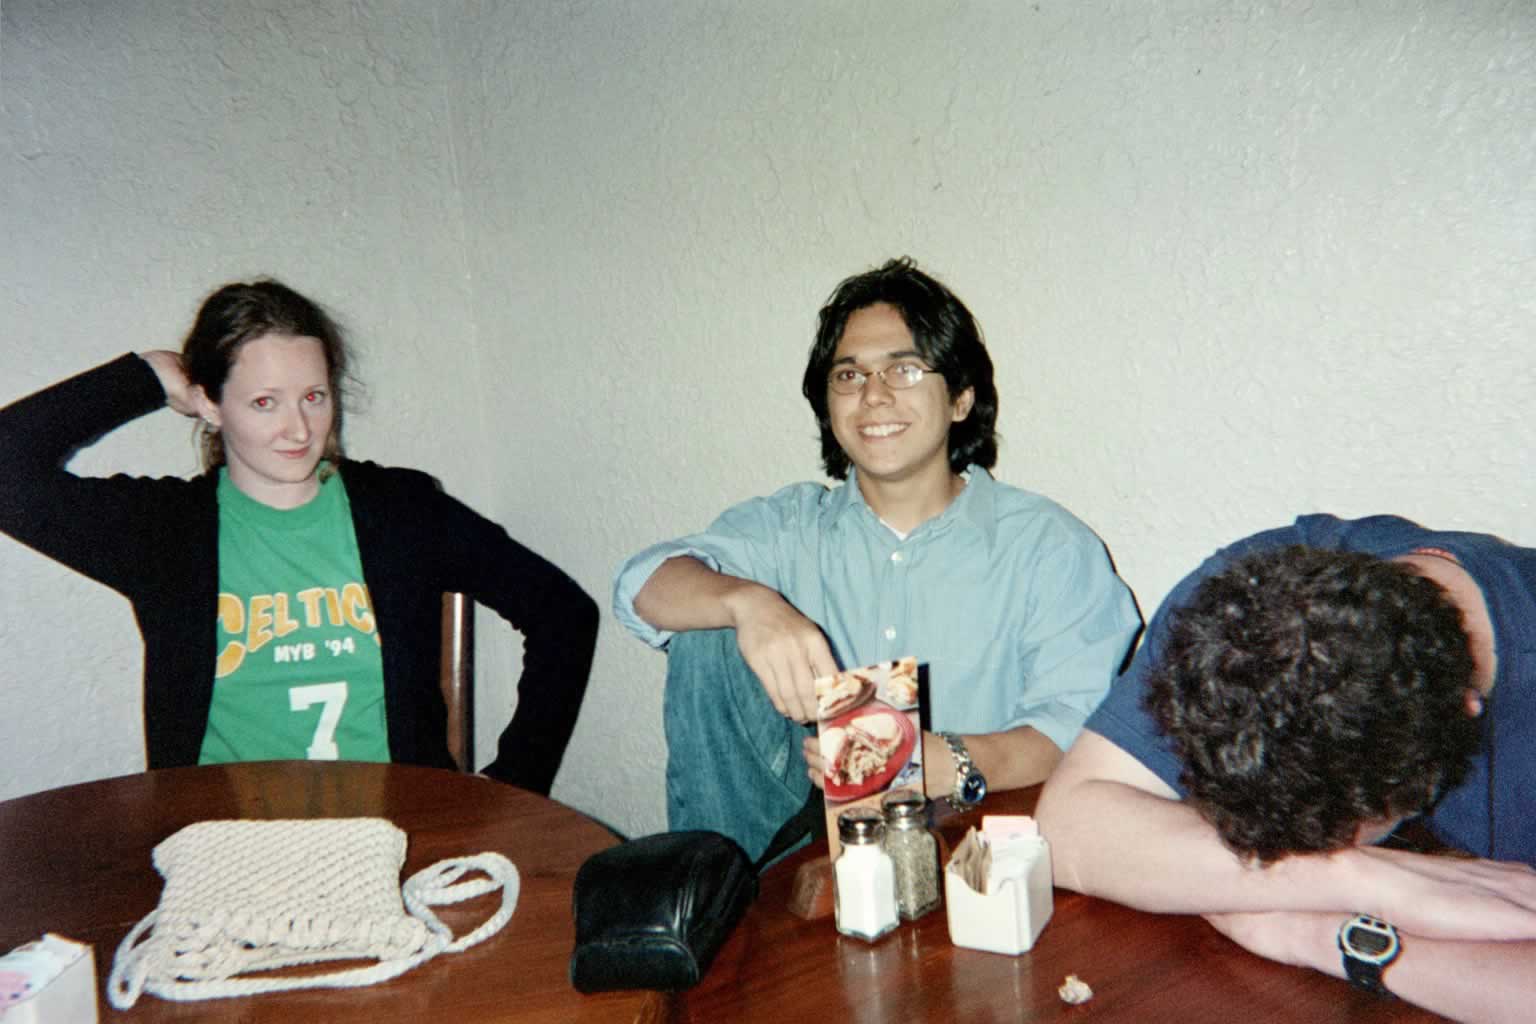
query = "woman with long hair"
x=289 y=597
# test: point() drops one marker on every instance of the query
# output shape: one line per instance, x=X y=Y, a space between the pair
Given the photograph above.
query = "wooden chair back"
x=457 y=675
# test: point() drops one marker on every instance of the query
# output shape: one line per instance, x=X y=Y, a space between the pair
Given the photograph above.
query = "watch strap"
x=1365 y=976
x=963 y=768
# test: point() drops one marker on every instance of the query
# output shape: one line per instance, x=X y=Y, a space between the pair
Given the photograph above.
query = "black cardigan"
x=155 y=541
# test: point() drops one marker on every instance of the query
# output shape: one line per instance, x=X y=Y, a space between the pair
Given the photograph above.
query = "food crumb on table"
x=1075 y=990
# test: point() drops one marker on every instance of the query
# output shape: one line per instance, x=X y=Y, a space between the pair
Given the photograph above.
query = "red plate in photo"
x=894 y=764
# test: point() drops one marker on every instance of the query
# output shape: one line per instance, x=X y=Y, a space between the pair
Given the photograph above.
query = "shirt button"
x=896 y=556
x=890 y=632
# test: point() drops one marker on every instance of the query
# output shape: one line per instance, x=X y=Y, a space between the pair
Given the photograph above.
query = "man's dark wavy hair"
x=944 y=333
x=1309 y=691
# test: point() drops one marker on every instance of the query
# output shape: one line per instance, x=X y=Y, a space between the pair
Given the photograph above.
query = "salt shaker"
x=865 y=877
x=914 y=853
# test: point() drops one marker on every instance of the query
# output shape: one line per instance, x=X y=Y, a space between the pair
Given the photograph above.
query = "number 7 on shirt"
x=332 y=697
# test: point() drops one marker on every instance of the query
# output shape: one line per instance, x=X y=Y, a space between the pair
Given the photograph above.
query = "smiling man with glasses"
x=1008 y=598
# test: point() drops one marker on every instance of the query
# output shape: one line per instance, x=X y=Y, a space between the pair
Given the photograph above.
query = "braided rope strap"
x=249 y=896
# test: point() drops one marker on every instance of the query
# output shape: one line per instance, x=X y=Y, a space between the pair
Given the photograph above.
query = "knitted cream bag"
x=244 y=896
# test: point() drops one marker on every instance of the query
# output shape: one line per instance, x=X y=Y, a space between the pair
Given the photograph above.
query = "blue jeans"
x=734 y=764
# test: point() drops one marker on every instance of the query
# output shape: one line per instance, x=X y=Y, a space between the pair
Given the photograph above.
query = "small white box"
x=50 y=981
x=1009 y=917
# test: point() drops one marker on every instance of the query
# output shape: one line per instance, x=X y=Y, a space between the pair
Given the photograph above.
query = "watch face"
x=1370 y=940
x=974 y=788
x=1370 y=943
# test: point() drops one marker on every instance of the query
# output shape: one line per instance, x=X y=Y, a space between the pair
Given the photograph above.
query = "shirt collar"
x=975 y=507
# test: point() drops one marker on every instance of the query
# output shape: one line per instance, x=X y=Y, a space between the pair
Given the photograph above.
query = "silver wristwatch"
x=970 y=784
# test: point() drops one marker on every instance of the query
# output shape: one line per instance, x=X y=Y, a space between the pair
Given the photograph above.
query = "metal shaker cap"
x=860 y=826
x=905 y=809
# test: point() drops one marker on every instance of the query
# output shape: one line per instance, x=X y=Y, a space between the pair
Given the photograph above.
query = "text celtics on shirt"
x=299 y=672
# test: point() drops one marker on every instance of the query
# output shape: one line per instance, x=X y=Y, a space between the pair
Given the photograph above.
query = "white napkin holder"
x=50 y=981
x=1010 y=915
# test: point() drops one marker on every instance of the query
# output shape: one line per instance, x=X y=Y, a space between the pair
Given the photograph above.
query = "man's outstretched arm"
x=1118 y=832
x=1466 y=980
x=1011 y=759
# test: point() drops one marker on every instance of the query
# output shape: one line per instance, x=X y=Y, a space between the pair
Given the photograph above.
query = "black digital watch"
x=1369 y=947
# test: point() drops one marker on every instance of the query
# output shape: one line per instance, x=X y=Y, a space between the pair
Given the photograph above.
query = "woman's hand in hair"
x=179 y=392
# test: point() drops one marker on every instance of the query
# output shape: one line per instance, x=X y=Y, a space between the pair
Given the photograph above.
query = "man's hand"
x=1445 y=897
x=816 y=767
x=786 y=650
x=1429 y=895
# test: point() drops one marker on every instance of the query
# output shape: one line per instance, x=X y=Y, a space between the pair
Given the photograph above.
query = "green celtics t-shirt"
x=299 y=673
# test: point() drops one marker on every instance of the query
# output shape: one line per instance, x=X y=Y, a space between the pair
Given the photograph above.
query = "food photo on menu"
x=869 y=728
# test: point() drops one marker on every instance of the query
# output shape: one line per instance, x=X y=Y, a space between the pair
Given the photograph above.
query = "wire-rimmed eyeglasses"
x=899 y=376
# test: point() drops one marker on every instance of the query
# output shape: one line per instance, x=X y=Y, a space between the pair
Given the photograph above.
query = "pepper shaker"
x=914 y=853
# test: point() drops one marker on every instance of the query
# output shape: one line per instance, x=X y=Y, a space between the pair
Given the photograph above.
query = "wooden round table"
x=76 y=861
x=1144 y=968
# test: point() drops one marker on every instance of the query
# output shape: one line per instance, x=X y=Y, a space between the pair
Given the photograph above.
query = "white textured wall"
x=1235 y=261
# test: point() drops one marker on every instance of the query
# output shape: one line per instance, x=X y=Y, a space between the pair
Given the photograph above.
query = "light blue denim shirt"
x=1008 y=597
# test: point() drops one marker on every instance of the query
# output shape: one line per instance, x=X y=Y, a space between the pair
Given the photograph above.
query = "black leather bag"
x=653 y=912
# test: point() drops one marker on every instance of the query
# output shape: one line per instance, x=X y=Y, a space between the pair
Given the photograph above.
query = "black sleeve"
x=558 y=621
x=96 y=526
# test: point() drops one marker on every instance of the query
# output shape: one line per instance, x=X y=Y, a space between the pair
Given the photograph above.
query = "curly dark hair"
x=1309 y=691
x=944 y=333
